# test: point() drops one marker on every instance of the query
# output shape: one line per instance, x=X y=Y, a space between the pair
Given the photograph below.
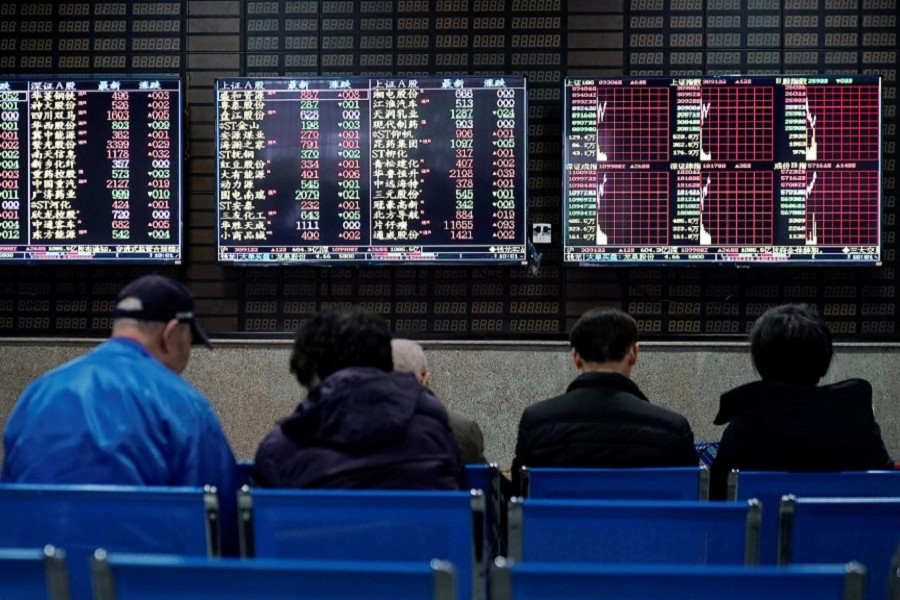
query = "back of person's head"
x=158 y=313
x=336 y=339
x=154 y=299
x=409 y=357
x=791 y=343
x=604 y=335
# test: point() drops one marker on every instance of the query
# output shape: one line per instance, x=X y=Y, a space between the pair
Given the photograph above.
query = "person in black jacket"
x=361 y=426
x=785 y=421
x=603 y=419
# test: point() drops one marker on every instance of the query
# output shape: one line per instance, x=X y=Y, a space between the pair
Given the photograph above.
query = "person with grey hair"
x=409 y=357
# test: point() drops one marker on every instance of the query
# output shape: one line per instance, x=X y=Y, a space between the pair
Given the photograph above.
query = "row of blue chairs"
x=81 y=518
x=450 y=525
x=167 y=577
x=311 y=524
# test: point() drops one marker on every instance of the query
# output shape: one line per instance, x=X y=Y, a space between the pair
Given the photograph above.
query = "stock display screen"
x=716 y=169
x=90 y=169
x=371 y=170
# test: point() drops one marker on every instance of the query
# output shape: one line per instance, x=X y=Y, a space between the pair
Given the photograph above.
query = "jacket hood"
x=776 y=402
x=366 y=408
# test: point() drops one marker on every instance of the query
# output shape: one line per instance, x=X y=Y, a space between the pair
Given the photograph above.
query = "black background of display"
x=545 y=40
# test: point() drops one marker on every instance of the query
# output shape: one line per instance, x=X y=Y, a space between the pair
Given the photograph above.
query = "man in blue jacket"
x=122 y=414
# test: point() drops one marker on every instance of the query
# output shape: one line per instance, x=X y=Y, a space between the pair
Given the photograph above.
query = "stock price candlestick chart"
x=371 y=170
x=722 y=169
x=90 y=170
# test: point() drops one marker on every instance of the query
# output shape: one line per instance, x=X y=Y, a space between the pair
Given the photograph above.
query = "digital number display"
x=723 y=170
x=371 y=170
x=90 y=170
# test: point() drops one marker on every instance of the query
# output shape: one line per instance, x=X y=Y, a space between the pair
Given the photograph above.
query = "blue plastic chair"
x=242 y=471
x=397 y=525
x=82 y=518
x=636 y=531
x=486 y=478
x=769 y=486
x=825 y=530
x=33 y=573
x=161 y=577
x=578 y=581
x=664 y=483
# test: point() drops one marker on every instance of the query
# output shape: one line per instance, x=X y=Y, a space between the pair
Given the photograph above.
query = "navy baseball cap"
x=158 y=298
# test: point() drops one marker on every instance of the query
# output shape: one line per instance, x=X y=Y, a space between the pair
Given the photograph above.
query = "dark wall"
x=542 y=39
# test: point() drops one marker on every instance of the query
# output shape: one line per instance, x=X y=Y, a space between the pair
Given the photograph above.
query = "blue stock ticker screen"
x=90 y=169
x=723 y=170
x=371 y=170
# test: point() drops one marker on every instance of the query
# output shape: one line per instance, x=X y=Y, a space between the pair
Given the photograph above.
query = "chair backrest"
x=486 y=478
x=578 y=581
x=242 y=471
x=398 y=525
x=634 y=531
x=824 y=530
x=664 y=483
x=33 y=573
x=82 y=518
x=769 y=486
x=161 y=577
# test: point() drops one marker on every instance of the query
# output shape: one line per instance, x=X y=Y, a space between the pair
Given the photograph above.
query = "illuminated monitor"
x=371 y=170
x=715 y=169
x=90 y=169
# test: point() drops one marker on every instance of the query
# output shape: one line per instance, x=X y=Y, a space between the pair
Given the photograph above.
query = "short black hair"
x=334 y=339
x=604 y=335
x=791 y=343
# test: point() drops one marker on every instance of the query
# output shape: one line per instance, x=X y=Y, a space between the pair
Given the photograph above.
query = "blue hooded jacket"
x=118 y=416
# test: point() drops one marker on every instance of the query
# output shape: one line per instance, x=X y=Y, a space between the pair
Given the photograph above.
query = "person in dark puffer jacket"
x=361 y=425
x=603 y=419
x=786 y=422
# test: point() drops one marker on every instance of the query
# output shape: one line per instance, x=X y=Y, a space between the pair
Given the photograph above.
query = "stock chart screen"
x=371 y=170
x=90 y=170
x=716 y=169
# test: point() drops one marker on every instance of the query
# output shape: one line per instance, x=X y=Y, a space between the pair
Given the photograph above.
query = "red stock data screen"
x=90 y=170
x=773 y=169
x=371 y=170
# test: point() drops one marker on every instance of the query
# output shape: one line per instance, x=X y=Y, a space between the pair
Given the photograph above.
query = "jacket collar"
x=607 y=380
x=774 y=397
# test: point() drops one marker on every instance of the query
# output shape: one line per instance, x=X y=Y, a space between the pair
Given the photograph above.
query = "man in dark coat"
x=603 y=419
x=786 y=422
x=361 y=426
